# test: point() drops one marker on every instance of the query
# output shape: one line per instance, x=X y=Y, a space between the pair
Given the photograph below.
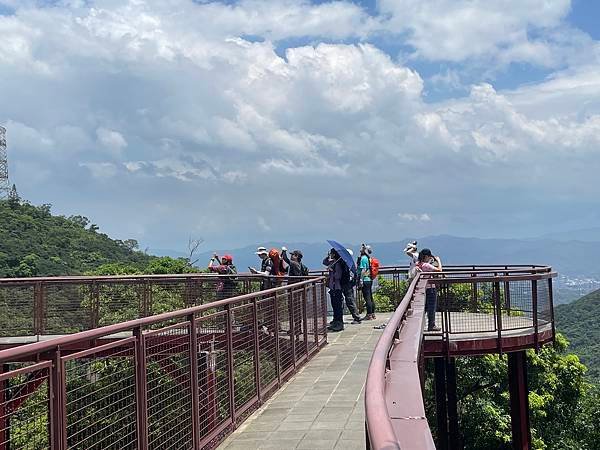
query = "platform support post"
x=441 y=404
x=519 y=401
x=454 y=434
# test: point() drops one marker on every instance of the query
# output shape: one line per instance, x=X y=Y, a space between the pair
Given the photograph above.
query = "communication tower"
x=4 y=184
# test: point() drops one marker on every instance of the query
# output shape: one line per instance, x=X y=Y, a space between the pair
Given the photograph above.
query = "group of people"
x=342 y=279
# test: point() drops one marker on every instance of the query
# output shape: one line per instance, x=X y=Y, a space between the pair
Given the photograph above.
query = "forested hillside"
x=580 y=322
x=33 y=242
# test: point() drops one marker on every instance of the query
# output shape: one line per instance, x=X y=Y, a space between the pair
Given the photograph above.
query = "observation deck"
x=181 y=361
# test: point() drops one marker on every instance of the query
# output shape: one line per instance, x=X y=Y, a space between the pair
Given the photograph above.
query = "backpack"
x=348 y=277
x=374 y=268
x=303 y=270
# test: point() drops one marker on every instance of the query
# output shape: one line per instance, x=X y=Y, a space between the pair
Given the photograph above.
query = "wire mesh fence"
x=492 y=303
x=182 y=379
x=24 y=406
x=63 y=305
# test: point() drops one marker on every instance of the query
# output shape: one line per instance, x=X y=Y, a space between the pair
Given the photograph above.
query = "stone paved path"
x=321 y=407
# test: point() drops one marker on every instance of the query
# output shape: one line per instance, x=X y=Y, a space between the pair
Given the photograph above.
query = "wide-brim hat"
x=261 y=251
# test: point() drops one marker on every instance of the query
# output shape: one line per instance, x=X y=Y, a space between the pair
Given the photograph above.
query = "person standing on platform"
x=226 y=286
x=364 y=280
x=348 y=284
x=334 y=283
x=294 y=262
x=267 y=268
x=429 y=263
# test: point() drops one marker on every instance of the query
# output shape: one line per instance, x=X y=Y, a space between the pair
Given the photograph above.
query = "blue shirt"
x=364 y=267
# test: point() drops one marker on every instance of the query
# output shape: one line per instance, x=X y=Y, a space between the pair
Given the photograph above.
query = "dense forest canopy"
x=33 y=242
x=579 y=322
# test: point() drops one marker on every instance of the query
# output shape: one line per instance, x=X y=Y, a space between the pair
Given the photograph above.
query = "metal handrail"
x=381 y=433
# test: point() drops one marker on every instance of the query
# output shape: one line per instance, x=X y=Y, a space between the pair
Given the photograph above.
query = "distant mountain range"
x=576 y=260
x=573 y=258
x=583 y=235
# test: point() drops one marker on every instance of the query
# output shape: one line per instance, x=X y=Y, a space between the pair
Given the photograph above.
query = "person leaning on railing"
x=429 y=263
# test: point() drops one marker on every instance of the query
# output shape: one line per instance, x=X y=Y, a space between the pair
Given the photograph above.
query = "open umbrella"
x=343 y=252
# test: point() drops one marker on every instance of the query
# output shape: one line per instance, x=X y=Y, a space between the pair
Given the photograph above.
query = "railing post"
x=277 y=349
x=94 y=305
x=305 y=319
x=57 y=402
x=534 y=302
x=141 y=389
x=230 y=362
x=551 y=300
x=313 y=286
x=324 y=309
x=193 y=333
x=507 y=295
x=4 y=413
x=256 y=350
x=498 y=308
x=39 y=312
x=292 y=327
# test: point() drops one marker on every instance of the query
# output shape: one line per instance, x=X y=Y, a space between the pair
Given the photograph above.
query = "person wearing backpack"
x=334 y=283
x=365 y=279
x=226 y=286
x=294 y=261
x=347 y=282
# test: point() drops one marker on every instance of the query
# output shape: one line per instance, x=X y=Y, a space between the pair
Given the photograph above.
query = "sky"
x=241 y=122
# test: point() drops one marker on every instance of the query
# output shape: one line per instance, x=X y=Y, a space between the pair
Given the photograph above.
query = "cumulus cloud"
x=530 y=31
x=203 y=119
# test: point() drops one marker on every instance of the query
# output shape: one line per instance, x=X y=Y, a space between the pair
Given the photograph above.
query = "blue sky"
x=240 y=122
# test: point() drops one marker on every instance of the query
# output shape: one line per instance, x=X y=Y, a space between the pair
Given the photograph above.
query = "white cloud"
x=531 y=31
x=181 y=109
x=408 y=217
x=100 y=170
x=111 y=140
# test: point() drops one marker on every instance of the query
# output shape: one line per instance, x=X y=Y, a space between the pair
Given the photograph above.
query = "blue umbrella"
x=343 y=252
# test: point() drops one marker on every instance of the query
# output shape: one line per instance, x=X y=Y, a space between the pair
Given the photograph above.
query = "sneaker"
x=434 y=328
x=368 y=317
x=338 y=326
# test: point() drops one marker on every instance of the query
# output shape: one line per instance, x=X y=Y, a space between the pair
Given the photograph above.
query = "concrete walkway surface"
x=322 y=406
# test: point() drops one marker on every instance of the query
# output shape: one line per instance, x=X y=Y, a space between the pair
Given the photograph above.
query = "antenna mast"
x=4 y=184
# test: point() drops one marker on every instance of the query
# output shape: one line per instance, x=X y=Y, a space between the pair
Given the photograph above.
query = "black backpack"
x=303 y=270
x=348 y=277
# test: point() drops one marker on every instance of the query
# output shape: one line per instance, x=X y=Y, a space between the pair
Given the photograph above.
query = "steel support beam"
x=454 y=433
x=519 y=401
x=441 y=403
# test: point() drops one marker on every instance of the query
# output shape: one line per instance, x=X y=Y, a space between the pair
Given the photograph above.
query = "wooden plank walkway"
x=322 y=407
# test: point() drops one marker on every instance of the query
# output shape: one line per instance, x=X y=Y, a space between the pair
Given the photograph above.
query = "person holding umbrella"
x=334 y=283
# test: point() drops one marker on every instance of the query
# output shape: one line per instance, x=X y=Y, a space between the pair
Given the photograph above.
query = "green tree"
x=562 y=402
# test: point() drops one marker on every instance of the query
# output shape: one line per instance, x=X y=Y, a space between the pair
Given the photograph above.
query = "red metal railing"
x=497 y=304
x=181 y=379
x=33 y=307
